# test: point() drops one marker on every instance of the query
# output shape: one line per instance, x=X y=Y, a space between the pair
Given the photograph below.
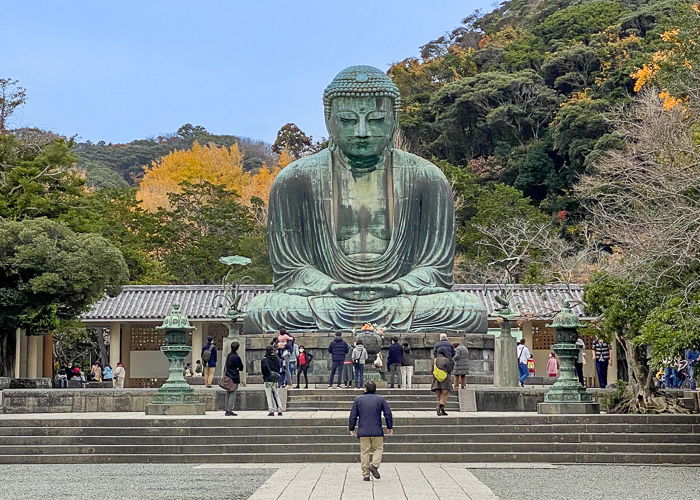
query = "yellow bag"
x=439 y=374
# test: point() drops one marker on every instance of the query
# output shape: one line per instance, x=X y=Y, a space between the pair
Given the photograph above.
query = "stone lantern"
x=567 y=395
x=175 y=397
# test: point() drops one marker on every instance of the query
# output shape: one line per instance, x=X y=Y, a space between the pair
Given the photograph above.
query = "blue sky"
x=123 y=70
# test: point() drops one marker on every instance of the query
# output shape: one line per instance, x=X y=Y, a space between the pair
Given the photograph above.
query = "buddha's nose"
x=361 y=129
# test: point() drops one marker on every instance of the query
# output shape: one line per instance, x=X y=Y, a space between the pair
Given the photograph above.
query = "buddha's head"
x=361 y=108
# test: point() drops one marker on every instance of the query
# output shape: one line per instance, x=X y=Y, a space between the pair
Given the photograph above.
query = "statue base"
x=175 y=409
x=568 y=408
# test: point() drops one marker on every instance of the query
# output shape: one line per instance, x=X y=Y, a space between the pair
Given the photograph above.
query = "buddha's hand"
x=371 y=291
x=430 y=290
x=298 y=291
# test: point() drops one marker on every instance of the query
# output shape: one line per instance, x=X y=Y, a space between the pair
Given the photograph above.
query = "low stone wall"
x=111 y=400
x=481 y=349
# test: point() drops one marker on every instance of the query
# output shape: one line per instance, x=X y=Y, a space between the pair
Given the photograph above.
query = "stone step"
x=389 y=456
x=350 y=445
x=341 y=437
x=271 y=426
x=346 y=406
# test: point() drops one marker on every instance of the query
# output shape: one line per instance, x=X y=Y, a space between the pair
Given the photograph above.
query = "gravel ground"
x=593 y=482
x=128 y=481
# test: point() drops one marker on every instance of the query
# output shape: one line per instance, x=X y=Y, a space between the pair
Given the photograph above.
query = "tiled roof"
x=153 y=302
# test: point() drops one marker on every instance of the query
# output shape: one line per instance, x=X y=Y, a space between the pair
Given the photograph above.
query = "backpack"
x=206 y=354
x=439 y=374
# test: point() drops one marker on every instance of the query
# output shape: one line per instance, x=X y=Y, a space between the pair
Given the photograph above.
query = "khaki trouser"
x=209 y=375
x=406 y=377
x=118 y=382
x=371 y=446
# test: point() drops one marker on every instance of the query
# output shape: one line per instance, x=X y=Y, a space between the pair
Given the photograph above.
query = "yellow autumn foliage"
x=219 y=165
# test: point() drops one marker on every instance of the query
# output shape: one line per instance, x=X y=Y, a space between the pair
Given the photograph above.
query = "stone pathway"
x=399 y=481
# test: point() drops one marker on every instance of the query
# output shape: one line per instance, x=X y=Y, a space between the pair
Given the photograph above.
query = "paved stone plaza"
x=343 y=481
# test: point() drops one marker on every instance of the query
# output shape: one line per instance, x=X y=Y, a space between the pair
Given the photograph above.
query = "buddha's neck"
x=360 y=165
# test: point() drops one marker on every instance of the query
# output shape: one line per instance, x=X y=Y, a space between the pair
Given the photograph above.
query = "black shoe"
x=306 y=387
x=439 y=413
x=444 y=413
x=365 y=478
x=279 y=413
x=296 y=387
x=271 y=414
x=391 y=387
x=374 y=471
x=230 y=414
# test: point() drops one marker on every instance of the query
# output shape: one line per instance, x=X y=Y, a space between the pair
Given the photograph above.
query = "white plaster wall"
x=150 y=364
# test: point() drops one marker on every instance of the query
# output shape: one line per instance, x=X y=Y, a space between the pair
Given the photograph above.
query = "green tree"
x=579 y=22
x=49 y=273
x=292 y=139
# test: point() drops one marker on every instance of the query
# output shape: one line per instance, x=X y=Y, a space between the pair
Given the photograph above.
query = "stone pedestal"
x=505 y=370
x=175 y=409
x=588 y=408
x=467 y=399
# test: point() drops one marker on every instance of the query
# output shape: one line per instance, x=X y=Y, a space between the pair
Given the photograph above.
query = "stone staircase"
x=637 y=439
x=341 y=399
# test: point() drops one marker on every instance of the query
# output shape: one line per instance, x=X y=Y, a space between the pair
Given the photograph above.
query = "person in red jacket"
x=303 y=363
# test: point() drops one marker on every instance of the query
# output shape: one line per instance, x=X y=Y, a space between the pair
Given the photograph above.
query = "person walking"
x=209 y=361
x=523 y=354
x=407 y=366
x=580 y=360
x=303 y=364
x=359 y=357
x=393 y=361
x=231 y=378
x=270 y=368
x=368 y=409
x=119 y=376
x=442 y=385
x=443 y=342
x=552 y=365
x=338 y=348
x=601 y=351
x=461 y=359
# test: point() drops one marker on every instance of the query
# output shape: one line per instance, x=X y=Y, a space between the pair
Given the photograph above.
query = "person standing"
x=119 y=376
x=442 y=385
x=303 y=363
x=283 y=355
x=580 y=360
x=232 y=368
x=368 y=409
x=393 y=361
x=270 y=368
x=359 y=357
x=523 y=354
x=338 y=348
x=107 y=374
x=443 y=342
x=407 y=366
x=293 y=355
x=692 y=356
x=348 y=369
x=461 y=359
x=209 y=361
x=552 y=365
x=601 y=351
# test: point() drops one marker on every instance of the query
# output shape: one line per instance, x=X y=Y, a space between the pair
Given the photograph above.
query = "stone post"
x=235 y=326
x=567 y=395
x=175 y=397
x=505 y=372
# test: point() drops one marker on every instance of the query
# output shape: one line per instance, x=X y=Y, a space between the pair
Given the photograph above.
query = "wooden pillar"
x=47 y=370
x=115 y=344
x=197 y=341
x=19 y=353
x=23 y=358
x=126 y=352
x=33 y=355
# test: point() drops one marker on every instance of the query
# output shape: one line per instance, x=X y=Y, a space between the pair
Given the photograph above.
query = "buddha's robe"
x=307 y=256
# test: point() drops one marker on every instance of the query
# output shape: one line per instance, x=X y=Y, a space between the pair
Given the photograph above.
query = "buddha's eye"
x=377 y=120
x=346 y=121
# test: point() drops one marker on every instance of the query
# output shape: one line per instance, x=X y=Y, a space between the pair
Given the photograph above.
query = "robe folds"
x=307 y=259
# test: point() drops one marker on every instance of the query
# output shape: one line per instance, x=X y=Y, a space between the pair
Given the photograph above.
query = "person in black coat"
x=338 y=348
x=368 y=408
x=270 y=367
x=393 y=362
x=232 y=370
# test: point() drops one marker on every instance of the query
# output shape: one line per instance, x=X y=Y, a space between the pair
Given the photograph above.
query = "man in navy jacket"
x=368 y=408
x=338 y=348
x=394 y=360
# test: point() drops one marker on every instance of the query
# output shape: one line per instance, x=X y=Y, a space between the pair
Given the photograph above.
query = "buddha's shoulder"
x=304 y=167
x=404 y=159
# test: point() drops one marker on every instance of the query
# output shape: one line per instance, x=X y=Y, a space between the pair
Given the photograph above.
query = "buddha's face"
x=362 y=126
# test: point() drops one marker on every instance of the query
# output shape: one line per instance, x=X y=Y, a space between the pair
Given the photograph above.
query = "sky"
x=122 y=70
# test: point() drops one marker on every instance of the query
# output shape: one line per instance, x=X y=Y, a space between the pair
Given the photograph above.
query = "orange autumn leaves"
x=206 y=163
